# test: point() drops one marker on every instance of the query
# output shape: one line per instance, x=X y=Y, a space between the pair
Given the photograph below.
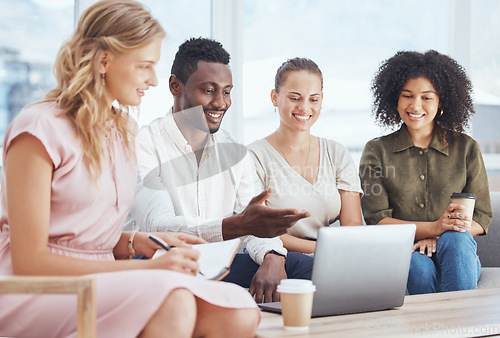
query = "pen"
x=159 y=241
x=164 y=245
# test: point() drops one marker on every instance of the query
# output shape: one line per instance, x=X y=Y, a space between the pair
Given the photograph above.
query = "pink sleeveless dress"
x=86 y=220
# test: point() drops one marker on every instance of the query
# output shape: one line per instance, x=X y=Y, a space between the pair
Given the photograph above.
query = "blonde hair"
x=117 y=26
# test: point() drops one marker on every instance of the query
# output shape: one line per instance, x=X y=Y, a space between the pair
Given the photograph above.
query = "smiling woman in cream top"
x=306 y=172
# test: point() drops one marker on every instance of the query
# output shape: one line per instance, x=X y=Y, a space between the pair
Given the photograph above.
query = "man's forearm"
x=231 y=227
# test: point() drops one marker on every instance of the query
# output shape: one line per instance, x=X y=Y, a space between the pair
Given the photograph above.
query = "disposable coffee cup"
x=467 y=200
x=296 y=303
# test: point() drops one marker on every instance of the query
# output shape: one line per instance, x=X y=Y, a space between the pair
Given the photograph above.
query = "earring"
x=275 y=110
x=441 y=114
x=103 y=79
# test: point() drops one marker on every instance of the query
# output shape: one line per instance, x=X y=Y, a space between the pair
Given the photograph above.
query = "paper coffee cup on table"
x=296 y=303
x=467 y=200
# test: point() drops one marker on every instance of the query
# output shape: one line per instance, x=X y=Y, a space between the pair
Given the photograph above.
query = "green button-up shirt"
x=406 y=182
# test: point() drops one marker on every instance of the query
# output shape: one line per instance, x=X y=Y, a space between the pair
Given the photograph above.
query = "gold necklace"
x=284 y=156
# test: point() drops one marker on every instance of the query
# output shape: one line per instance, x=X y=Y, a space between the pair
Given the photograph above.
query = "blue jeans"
x=243 y=268
x=454 y=266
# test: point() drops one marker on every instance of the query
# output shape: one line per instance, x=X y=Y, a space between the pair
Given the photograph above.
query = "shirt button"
x=420 y=152
x=421 y=205
x=422 y=177
x=188 y=148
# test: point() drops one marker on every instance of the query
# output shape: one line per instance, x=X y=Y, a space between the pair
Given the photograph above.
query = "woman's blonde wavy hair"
x=117 y=26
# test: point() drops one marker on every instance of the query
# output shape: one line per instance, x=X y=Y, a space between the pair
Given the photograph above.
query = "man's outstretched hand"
x=260 y=220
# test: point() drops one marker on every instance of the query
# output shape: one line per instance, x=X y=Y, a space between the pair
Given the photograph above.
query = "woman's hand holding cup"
x=458 y=215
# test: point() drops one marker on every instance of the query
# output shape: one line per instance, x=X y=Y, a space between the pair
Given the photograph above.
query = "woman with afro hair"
x=409 y=175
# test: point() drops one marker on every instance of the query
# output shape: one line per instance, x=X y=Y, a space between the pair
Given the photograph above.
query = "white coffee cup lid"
x=296 y=286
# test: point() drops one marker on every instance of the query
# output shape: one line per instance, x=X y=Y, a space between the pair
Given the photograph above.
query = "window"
x=31 y=33
x=484 y=56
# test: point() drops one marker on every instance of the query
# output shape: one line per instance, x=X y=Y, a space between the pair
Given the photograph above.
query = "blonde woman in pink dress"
x=67 y=186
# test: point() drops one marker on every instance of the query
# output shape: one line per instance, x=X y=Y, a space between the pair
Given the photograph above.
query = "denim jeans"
x=297 y=265
x=454 y=266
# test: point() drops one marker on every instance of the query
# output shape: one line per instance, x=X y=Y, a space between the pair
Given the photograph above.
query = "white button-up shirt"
x=175 y=193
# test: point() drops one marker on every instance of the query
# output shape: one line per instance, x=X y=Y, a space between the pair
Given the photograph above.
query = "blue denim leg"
x=458 y=261
x=243 y=268
x=423 y=275
x=298 y=265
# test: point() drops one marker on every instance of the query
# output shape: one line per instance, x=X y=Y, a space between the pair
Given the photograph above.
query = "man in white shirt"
x=197 y=180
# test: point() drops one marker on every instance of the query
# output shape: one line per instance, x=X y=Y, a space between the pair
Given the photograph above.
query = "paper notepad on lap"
x=215 y=258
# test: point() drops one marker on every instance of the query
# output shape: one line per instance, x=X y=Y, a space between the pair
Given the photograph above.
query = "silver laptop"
x=359 y=269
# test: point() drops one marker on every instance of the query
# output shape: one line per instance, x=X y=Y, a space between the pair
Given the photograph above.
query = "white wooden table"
x=472 y=313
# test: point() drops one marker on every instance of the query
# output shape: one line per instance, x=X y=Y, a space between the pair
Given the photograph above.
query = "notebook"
x=215 y=258
x=359 y=269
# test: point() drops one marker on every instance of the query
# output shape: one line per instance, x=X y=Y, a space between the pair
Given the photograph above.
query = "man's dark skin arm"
x=262 y=221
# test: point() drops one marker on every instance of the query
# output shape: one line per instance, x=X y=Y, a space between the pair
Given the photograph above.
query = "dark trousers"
x=243 y=269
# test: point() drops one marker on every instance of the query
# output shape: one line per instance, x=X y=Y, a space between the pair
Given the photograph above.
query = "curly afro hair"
x=194 y=50
x=448 y=78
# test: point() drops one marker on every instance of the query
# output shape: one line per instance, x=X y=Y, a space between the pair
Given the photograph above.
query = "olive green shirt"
x=406 y=182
